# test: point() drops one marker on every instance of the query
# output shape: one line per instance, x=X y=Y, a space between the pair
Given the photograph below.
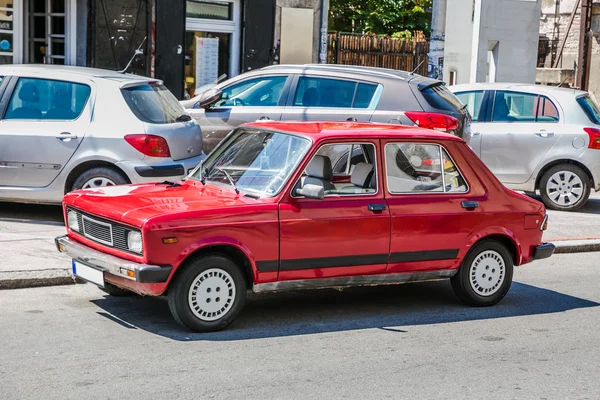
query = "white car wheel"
x=98 y=182
x=487 y=273
x=211 y=294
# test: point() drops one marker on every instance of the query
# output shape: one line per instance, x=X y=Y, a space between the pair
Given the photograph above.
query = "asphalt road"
x=413 y=341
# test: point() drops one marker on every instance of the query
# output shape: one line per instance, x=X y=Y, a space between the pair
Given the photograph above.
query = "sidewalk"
x=29 y=257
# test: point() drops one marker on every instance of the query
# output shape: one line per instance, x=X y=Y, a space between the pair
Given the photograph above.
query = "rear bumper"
x=149 y=171
x=542 y=251
x=143 y=273
x=152 y=169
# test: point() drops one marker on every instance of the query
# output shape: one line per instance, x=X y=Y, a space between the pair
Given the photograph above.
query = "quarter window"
x=473 y=102
x=47 y=100
x=523 y=107
x=260 y=92
x=335 y=93
x=421 y=168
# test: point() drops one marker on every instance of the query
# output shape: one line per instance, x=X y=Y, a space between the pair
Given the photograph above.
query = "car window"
x=590 y=107
x=421 y=168
x=362 y=177
x=259 y=92
x=153 y=103
x=339 y=154
x=473 y=101
x=440 y=97
x=546 y=110
x=336 y=93
x=47 y=100
x=523 y=107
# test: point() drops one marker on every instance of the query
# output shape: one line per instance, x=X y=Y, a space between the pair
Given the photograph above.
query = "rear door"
x=162 y=115
x=243 y=101
x=331 y=99
x=43 y=123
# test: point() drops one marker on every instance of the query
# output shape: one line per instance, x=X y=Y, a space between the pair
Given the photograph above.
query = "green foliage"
x=382 y=17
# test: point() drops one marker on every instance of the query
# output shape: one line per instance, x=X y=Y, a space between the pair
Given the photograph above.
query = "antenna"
x=418 y=66
x=137 y=52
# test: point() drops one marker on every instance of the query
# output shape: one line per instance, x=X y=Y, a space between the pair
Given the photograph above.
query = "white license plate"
x=88 y=273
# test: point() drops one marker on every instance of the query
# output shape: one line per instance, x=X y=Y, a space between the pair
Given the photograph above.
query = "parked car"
x=266 y=212
x=537 y=137
x=326 y=92
x=65 y=128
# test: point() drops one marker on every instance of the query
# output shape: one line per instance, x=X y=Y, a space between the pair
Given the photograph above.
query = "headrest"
x=29 y=92
x=310 y=97
x=320 y=167
x=360 y=173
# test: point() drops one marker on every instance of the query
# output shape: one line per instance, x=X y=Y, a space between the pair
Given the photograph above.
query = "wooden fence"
x=383 y=52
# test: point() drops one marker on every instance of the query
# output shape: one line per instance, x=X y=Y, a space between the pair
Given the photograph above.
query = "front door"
x=327 y=99
x=523 y=127
x=346 y=233
x=47 y=31
x=43 y=125
x=241 y=102
x=426 y=194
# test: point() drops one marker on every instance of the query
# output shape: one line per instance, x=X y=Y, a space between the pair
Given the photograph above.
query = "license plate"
x=88 y=273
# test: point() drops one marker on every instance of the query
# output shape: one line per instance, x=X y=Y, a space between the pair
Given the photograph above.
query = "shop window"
x=209 y=10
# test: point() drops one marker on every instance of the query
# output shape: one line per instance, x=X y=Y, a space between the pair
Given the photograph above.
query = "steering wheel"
x=238 y=102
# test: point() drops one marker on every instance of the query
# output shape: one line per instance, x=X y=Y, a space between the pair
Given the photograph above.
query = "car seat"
x=28 y=94
x=361 y=179
x=320 y=173
x=310 y=97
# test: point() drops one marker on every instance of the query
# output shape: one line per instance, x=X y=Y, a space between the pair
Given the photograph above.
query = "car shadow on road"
x=392 y=308
x=31 y=214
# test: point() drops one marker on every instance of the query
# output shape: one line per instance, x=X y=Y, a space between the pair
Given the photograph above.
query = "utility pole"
x=436 y=43
x=583 y=60
x=324 y=25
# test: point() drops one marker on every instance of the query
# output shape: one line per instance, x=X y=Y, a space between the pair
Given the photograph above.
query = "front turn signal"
x=169 y=240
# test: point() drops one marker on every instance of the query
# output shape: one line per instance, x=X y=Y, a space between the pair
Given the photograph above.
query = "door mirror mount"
x=311 y=192
x=209 y=98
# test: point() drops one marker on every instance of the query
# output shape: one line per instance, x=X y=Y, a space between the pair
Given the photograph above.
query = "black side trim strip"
x=427 y=255
x=267 y=266
x=328 y=262
x=161 y=171
x=153 y=274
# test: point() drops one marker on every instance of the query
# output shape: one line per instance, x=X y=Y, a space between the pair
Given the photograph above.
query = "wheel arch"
x=84 y=166
x=554 y=163
x=505 y=239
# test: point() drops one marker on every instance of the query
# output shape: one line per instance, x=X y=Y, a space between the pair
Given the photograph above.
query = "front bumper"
x=542 y=251
x=143 y=273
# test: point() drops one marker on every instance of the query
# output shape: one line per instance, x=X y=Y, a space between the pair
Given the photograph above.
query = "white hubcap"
x=211 y=294
x=98 y=182
x=487 y=273
x=564 y=188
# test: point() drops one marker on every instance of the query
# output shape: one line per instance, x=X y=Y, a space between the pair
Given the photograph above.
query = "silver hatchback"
x=535 y=137
x=66 y=128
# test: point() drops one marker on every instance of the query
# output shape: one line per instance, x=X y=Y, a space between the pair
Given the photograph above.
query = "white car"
x=66 y=128
x=535 y=137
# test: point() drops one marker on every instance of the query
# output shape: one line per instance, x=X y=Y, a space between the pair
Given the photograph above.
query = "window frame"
x=441 y=147
x=337 y=195
x=539 y=96
x=282 y=99
x=9 y=85
x=372 y=105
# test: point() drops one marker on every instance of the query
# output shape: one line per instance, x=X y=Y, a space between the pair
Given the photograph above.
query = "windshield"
x=256 y=160
x=591 y=108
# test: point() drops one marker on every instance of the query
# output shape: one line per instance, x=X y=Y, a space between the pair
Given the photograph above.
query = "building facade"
x=185 y=43
x=491 y=40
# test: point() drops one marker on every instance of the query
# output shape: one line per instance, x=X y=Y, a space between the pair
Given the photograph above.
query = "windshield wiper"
x=229 y=178
x=183 y=118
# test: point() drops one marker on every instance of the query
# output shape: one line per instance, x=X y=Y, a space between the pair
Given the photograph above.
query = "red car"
x=297 y=205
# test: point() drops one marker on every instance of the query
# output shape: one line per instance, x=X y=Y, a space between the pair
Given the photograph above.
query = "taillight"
x=439 y=122
x=149 y=145
x=594 y=135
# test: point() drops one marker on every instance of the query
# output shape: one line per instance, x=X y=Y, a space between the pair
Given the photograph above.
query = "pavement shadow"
x=319 y=311
x=31 y=213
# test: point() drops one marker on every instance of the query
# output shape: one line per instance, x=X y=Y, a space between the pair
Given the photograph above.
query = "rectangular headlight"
x=72 y=220
x=134 y=241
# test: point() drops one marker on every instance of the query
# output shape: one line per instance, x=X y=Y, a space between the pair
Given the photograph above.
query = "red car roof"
x=321 y=129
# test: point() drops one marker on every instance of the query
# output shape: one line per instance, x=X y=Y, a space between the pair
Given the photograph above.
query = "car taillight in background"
x=439 y=122
x=594 y=134
x=149 y=145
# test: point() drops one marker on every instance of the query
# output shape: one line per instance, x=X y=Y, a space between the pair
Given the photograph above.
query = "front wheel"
x=485 y=274
x=565 y=187
x=208 y=294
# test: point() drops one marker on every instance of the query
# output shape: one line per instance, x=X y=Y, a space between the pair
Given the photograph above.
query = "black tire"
x=116 y=291
x=100 y=173
x=585 y=186
x=226 y=274
x=462 y=283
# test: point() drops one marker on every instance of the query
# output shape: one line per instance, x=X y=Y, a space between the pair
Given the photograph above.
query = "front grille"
x=103 y=231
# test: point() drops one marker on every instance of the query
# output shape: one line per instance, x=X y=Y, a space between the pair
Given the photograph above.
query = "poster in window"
x=207 y=60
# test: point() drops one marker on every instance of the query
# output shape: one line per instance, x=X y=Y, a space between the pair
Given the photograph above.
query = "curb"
x=576 y=245
x=36 y=278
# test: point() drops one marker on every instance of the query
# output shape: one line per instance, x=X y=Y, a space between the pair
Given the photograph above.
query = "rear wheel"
x=565 y=187
x=485 y=275
x=208 y=294
x=99 y=177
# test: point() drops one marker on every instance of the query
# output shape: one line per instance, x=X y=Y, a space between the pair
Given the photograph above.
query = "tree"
x=383 y=17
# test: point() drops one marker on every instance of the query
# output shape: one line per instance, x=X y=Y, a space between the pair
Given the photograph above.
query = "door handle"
x=473 y=134
x=544 y=134
x=66 y=137
x=352 y=119
x=470 y=205
x=376 y=207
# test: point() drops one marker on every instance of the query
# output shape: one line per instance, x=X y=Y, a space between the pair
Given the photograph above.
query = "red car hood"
x=135 y=204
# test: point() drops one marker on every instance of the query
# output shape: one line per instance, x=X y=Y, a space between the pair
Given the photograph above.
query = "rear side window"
x=439 y=97
x=47 y=99
x=153 y=103
x=591 y=109
x=473 y=101
x=335 y=93
x=523 y=107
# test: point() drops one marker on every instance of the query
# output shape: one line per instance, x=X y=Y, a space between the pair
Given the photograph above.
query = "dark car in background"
x=327 y=93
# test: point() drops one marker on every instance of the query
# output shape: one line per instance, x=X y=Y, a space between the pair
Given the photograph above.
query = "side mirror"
x=311 y=192
x=209 y=98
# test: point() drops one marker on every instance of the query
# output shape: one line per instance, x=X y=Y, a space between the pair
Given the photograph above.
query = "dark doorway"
x=259 y=24
x=169 y=59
